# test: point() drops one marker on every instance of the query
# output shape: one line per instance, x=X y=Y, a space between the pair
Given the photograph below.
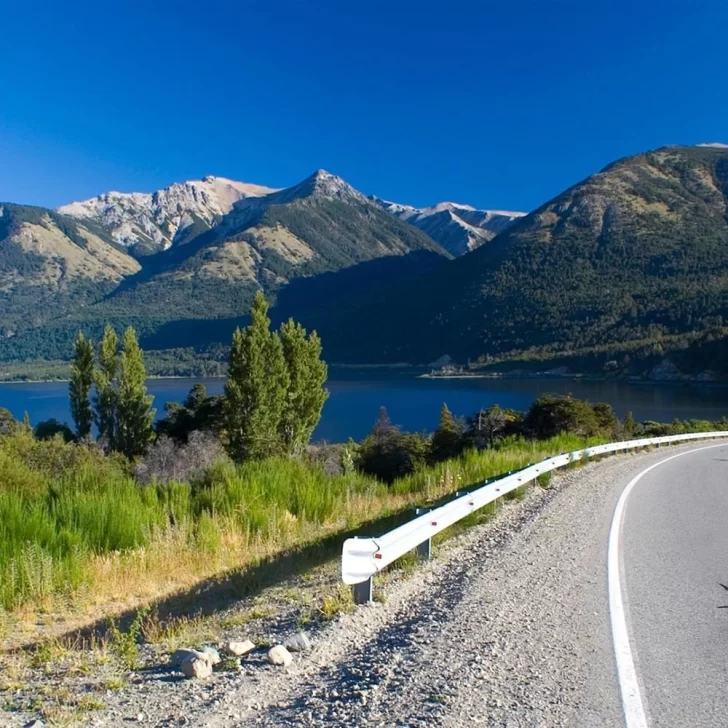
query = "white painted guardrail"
x=362 y=558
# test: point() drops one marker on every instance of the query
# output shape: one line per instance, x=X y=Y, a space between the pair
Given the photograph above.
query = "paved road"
x=675 y=566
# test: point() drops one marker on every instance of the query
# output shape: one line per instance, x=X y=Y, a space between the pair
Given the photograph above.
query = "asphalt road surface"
x=675 y=581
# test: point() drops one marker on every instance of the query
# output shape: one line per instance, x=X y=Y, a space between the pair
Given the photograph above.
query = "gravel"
x=506 y=626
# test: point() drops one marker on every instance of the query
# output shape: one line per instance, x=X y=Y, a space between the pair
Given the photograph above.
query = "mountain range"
x=623 y=271
x=628 y=265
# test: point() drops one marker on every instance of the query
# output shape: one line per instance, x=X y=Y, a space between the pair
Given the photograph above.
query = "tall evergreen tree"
x=105 y=379
x=134 y=413
x=255 y=389
x=447 y=440
x=79 y=388
x=305 y=396
x=383 y=426
x=629 y=424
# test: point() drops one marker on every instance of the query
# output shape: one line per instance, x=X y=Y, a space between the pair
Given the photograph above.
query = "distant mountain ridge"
x=458 y=228
x=320 y=225
x=631 y=262
x=150 y=222
x=154 y=221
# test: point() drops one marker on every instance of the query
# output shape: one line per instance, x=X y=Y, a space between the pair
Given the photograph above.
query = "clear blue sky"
x=499 y=104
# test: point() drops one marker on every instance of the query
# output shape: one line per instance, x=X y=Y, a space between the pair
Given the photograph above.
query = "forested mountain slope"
x=636 y=254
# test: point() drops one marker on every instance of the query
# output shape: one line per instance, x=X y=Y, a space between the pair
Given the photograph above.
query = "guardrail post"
x=424 y=550
x=363 y=592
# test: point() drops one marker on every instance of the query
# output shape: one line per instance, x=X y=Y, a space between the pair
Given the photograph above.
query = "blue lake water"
x=413 y=403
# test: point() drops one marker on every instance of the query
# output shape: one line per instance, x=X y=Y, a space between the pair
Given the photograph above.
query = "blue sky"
x=499 y=104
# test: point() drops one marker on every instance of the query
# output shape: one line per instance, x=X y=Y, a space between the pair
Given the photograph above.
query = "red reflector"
x=377 y=556
x=434 y=523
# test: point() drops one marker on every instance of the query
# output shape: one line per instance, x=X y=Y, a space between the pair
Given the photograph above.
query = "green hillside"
x=51 y=265
x=634 y=258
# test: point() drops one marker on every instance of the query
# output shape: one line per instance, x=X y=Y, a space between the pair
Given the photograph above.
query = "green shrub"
x=550 y=415
x=48 y=429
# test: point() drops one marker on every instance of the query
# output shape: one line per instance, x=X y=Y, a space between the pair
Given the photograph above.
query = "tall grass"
x=74 y=522
x=475 y=467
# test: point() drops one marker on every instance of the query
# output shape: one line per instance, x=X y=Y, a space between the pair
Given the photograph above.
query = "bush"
x=197 y=413
x=8 y=424
x=488 y=425
x=333 y=459
x=388 y=454
x=168 y=461
x=551 y=415
x=48 y=429
x=607 y=421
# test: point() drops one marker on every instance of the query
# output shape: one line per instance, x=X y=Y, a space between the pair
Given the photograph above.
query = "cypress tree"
x=105 y=379
x=134 y=413
x=79 y=388
x=255 y=389
x=305 y=395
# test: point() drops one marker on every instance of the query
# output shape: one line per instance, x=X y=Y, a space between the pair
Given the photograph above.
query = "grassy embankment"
x=80 y=539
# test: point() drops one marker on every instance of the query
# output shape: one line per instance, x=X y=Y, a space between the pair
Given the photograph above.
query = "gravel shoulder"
x=507 y=626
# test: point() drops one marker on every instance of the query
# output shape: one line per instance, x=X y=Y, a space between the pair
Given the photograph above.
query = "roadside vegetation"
x=118 y=513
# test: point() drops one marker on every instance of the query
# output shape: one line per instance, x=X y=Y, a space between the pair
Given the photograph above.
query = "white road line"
x=634 y=711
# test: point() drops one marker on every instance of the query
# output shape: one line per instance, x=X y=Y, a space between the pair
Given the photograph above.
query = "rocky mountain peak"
x=155 y=221
x=323 y=184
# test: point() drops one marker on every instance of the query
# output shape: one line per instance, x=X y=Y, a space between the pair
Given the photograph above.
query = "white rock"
x=279 y=655
x=239 y=648
x=197 y=667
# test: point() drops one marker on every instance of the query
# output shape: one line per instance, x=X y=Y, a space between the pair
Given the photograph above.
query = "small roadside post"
x=424 y=550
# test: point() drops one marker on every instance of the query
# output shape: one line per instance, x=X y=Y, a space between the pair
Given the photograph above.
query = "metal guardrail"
x=362 y=558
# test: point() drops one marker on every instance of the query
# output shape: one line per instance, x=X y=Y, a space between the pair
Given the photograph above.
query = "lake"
x=413 y=403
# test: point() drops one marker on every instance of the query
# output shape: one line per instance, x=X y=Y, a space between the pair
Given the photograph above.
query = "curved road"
x=675 y=580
